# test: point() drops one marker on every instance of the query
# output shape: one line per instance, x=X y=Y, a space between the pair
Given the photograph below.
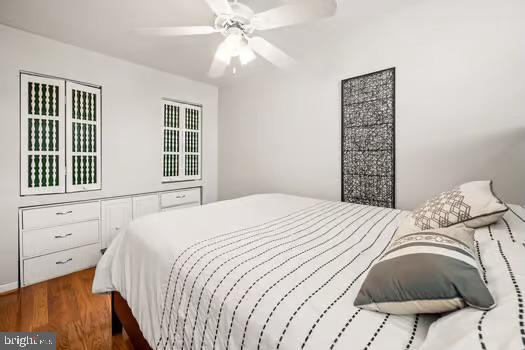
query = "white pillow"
x=503 y=327
x=510 y=228
x=473 y=204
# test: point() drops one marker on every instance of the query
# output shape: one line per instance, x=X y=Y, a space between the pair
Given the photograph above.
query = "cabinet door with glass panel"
x=83 y=137
x=59 y=136
x=42 y=125
x=182 y=141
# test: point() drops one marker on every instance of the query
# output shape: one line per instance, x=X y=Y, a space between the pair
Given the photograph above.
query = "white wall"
x=130 y=134
x=460 y=100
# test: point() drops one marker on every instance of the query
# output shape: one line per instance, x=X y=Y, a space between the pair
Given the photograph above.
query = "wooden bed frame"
x=121 y=316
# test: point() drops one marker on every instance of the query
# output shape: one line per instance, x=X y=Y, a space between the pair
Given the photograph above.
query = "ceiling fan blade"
x=221 y=60
x=178 y=31
x=220 y=7
x=294 y=13
x=271 y=53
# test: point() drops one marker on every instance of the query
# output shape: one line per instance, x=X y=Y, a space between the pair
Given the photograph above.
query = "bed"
x=261 y=272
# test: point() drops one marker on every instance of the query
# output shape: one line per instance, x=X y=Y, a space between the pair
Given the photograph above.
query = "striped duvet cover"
x=261 y=272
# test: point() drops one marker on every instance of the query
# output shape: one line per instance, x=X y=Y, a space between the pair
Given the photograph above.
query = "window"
x=60 y=136
x=181 y=147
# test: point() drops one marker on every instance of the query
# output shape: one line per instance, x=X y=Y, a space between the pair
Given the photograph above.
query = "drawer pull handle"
x=64 y=262
x=64 y=236
x=181 y=196
x=64 y=212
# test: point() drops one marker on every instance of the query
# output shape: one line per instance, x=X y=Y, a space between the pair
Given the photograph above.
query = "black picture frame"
x=386 y=196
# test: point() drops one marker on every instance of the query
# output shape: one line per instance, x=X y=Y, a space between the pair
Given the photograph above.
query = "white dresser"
x=56 y=240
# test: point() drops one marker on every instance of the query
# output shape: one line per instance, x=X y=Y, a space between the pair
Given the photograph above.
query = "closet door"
x=42 y=167
x=191 y=163
x=83 y=118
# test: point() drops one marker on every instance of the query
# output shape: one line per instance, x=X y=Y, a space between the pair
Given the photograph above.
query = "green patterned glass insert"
x=192 y=119
x=171 y=165
x=171 y=140
x=84 y=170
x=84 y=105
x=171 y=116
x=192 y=142
x=42 y=99
x=43 y=171
x=191 y=164
x=84 y=137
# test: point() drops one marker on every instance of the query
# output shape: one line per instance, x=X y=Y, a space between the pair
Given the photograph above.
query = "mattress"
x=261 y=272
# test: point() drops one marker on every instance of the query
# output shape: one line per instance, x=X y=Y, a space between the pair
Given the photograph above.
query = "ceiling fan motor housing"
x=237 y=22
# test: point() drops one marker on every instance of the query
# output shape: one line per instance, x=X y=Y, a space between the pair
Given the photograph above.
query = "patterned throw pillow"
x=431 y=271
x=473 y=204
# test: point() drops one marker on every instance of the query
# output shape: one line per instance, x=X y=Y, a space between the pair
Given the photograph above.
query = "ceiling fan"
x=237 y=22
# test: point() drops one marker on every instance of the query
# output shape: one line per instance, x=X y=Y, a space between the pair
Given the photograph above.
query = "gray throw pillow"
x=431 y=271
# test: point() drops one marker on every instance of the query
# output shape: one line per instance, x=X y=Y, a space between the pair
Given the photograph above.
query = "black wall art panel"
x=368 y=139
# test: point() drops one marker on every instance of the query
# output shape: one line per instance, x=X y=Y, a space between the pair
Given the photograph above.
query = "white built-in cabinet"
x=116 y=215
x=182 y=141
x=60 y=146
x=58 y=239
x=144 y=205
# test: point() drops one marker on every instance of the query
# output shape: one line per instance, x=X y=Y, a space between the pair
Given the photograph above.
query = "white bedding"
x=260 y=272
x=501 y=328
x=501 y=255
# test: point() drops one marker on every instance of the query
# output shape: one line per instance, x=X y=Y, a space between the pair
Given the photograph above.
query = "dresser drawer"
x=179 y=198
x=57 y=264
x=60 y=215
x=180 y=207
x=53 y=239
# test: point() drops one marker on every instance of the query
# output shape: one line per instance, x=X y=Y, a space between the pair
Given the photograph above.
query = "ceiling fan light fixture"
x=233 y=44
x=246 y=55
x=223 y=54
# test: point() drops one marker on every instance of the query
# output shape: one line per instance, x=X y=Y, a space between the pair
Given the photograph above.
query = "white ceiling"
x=110 y=27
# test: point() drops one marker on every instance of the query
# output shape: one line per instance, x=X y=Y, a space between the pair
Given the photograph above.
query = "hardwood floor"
x=65 y=305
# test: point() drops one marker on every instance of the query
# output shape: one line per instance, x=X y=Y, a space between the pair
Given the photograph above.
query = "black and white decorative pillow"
x=432 y=271
x=473 y=204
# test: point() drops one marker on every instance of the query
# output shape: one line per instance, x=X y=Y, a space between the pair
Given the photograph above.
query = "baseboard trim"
x=8 y=287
